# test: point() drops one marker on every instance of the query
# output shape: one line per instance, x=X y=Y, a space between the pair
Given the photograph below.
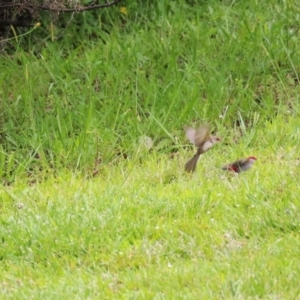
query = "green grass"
x=87 y=212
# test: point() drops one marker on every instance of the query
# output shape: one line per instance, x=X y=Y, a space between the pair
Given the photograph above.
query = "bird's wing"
x=235 y=165
x=238 y=163
x=201 y=135
x=190 y=134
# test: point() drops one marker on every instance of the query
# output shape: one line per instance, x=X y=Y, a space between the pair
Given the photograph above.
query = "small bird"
x=240 y=165
x=202 y=140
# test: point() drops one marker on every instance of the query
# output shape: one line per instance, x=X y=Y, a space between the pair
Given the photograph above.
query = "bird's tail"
x=191 y=165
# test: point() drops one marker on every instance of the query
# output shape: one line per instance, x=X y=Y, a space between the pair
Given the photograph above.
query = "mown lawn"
x=88 y=211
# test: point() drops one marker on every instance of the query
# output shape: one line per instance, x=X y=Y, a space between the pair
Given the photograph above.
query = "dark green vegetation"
x=88 y=212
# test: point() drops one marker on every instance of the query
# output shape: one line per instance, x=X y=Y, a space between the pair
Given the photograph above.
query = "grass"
x=88 y=212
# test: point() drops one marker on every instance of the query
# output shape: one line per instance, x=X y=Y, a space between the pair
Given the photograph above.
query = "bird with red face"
x=240 y=165
x=202 y=139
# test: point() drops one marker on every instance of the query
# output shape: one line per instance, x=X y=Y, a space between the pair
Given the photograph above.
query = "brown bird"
x=240 y=165
x=202 y=140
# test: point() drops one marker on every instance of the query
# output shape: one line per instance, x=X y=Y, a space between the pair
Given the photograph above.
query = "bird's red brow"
x=252 y=157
